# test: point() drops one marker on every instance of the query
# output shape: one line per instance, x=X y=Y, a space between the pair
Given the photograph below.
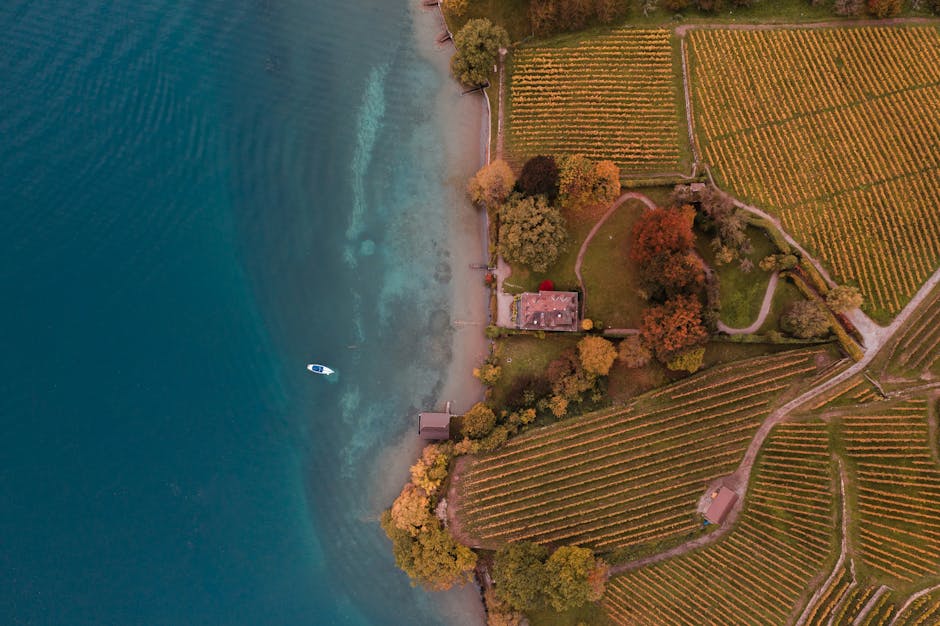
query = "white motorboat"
x=319 y=369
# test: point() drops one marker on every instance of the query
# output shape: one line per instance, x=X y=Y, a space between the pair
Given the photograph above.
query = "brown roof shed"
x=720 y=507
x=435 y=426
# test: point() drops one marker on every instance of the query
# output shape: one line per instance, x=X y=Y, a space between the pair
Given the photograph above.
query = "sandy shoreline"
x=461 y=122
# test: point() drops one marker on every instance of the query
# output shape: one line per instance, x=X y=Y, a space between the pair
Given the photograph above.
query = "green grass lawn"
x=524 y=358
x=578 y=224
x=590 y=613
x=610 y=277
x=741 y=292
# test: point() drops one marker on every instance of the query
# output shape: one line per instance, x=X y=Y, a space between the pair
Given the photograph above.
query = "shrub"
x=488 y=374
x=806 y=320
x=842 y=298
x=492 y=184
x=633 y=353
x=587 y=324
x=689 y=361
x=884 y=8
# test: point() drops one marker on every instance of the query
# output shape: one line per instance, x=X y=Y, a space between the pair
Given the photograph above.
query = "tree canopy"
x=492 y=184
x=431 y=469
x=432 y=558
x=519 y=574
x=633 y=353
x=572 y=579
x=662 y=231
x=531 y=233
x=673 y=326
x=478 y=421
x=583 y=182
x=596 y=354
x=805 y=319
x=539 y=176
x=842 y=298
x=411 y=510
x=478 y=44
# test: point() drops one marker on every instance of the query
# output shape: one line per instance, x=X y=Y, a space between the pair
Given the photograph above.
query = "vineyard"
x=898 y=483
x=836 y=131
x=758 y=573
x=916 y=348
x=631 y=476
x=609 y=97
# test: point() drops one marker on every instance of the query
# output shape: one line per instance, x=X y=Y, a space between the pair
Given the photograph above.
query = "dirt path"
x=501 y=102
x=910 y=601
x=842 y=550
x=860 y=618
x=896 y=21
x=453 y=504
x=630 y=195
x=761 y=317
x=740 y=479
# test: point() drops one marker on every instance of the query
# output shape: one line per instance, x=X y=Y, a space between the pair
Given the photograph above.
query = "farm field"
x=630 y=476
x=916 y=347
x=758 y=573
x=836 y=131
x=612 y=96
x=898 y=484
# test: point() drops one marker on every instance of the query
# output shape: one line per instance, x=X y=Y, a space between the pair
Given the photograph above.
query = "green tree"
x=478 y=421
x=806 y=320
x=567 y=571
x=596 y=354
x=492 y=184
x=842 y=298
x=478 y=44
x=519 y=574
x=531 y=233
x=432 y=558
x=488 y=374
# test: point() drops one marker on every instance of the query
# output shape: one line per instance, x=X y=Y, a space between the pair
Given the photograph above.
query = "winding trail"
x=761 y=317
x=740 y=479
x=630 y=195
x=842 y=550
x=910 y=601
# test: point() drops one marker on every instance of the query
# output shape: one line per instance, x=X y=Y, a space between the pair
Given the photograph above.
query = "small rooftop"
x=435 y=426
x=548 y=310
x=718 y=510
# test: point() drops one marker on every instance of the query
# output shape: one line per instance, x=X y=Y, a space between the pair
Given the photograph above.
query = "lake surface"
x=197 y=198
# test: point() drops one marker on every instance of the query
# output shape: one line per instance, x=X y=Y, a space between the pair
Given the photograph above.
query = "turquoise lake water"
x=197 y=198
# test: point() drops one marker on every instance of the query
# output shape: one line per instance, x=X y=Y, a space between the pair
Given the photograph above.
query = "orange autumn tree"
x=670 y=328
x=662 y=232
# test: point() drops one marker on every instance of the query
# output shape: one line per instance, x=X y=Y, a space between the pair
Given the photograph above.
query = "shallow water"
x=198 y=198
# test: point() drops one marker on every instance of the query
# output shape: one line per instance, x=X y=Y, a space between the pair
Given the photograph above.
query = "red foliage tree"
x=546 y=285
x=668 y=275
x=671 y=327
x=662 y=231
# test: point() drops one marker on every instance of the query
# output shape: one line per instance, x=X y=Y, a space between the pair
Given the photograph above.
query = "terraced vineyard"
x=609 y=97
x=758 y=573
x=630 y=476
x=898 y=489
x=916 y=347
x=836 y=131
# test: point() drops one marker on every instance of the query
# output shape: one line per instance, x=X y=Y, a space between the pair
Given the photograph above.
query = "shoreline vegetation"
x=577 y=454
